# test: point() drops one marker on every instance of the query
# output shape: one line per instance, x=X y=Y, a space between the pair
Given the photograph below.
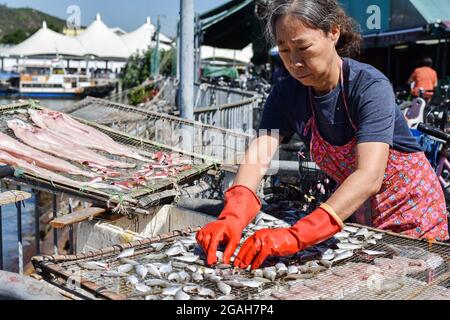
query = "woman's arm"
x=365 y=182
x=257 y=161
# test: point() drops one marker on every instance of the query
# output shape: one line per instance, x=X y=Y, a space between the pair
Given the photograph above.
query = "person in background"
x=424 y=77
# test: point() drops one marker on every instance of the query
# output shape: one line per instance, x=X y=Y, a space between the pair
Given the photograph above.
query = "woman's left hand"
x=264 y=243
x=318 y=226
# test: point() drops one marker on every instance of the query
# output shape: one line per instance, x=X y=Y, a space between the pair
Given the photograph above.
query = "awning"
x=433 y=11
x=394 y=37
x=230 y=25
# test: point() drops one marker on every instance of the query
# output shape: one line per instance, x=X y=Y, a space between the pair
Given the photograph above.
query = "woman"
x=346 y=111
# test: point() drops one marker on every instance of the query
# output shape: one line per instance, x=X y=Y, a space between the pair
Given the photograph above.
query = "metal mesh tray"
x=354 y=280
x=200 y=165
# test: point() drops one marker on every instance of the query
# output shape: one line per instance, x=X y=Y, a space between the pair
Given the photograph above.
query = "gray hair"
x=317 y=14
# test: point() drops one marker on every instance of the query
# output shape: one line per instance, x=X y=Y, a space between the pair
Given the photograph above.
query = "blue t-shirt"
x=372 y=109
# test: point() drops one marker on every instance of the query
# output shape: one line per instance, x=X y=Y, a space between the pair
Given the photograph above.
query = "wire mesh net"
x=396 y=267
x=222 y=145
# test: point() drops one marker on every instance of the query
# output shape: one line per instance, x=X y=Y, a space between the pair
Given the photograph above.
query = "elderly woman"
x=345 y=110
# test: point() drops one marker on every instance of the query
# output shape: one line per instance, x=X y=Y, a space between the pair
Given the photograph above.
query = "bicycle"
x=413 y=110
x=437 y=116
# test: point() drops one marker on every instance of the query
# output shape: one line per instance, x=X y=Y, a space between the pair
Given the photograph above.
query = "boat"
x=37 y=81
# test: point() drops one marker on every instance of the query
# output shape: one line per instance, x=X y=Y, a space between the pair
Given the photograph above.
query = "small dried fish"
x=378 y=236
x=166 y=269
x=227 y=297
x=369 y=234
x=191 y=289
x=129 y=261
x=175 y=250
x=196 y=277
x=251 y=283
x=292 y=270
x=205 y=292
x=258 y=273
x=328 y=255
x=303 y=269
x=157 y=283
x=132 y=280
x=263 y=280
x=342 y=234
x=93 y=265
x=179 y=264
x=174 y=276
x=351 y=229
x=142 y=287
x=181 y=295
x=204 y=270
x=184 y=276
x=155 y=256
x=268 y=217
x=187 y=258
x=153 y=270
x=125 y=268
x=371 y=241
x=299 y=276
x=281 y=268
x=326 y=263
x=269 y=274
x=157 y=246
x=355 y=241
x=114 y=274
x=224 y=288
x=126 y=253
x=191 y=268
x=343 y=256
x=362 y=232
x=212 y=277
x=141 y=271
x=219 y=255
x=349 y=246
x=373 y=253
x=171 y=291
x=222 y=266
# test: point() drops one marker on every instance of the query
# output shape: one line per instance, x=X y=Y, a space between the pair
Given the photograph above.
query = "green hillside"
x=17 y=24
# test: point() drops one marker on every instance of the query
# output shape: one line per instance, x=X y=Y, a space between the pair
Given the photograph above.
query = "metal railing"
x=222 y=107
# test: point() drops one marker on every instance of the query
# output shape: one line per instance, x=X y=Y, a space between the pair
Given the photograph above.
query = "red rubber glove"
x=241 y=207
x=315 y=228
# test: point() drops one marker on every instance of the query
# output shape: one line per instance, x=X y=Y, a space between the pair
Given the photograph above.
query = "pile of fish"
x=177 y=270
x=49 y=140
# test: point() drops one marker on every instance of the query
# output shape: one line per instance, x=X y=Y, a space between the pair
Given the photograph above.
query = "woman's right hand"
x=223 y=231
x=241 y=207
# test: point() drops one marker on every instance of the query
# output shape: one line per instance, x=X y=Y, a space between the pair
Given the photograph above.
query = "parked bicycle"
x=437 y=115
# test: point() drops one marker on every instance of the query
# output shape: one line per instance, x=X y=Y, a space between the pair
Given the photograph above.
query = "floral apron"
x=410 y=201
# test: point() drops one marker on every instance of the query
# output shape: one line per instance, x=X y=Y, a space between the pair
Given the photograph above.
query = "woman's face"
x=307 y=53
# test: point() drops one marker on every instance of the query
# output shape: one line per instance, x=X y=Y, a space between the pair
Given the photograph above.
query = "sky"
x=127 y=15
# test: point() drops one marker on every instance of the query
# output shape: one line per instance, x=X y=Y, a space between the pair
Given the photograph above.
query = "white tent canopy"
x=210 y=53
x=140 y=39
x=97 y=40
x=48 y=42
x=101 y=42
